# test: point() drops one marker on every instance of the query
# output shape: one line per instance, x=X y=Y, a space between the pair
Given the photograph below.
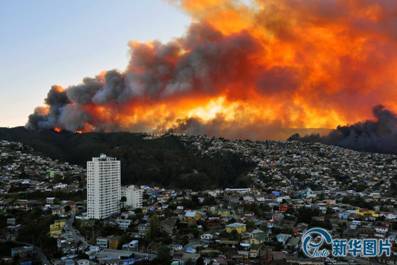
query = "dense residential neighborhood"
x=293 y=186
x=198 y=132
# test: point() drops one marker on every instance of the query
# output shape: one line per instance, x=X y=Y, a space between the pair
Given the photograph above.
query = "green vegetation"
x=35 y=229
x=358 y=201
x=92 y=229
x=41 y=195
x=164 y=160
x=163 y=257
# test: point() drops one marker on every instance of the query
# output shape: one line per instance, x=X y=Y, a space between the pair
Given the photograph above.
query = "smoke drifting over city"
x=378 y=135
x=248 y=71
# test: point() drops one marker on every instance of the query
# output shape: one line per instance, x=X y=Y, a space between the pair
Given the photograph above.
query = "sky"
x=49 y=42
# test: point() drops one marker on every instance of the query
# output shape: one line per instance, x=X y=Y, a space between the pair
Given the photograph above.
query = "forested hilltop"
x=166 y=160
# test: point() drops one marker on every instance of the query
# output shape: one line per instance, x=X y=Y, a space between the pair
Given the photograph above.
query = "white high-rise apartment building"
x=133 y=195
x=103 y=187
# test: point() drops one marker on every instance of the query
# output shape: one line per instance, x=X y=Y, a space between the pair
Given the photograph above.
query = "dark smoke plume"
x=250 y=71
x=156 y=72
x=379 y=135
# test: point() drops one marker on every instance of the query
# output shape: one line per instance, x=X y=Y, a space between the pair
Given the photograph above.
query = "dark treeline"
x=165 y=160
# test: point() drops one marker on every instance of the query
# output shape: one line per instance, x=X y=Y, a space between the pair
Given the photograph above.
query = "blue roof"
x=276 y=193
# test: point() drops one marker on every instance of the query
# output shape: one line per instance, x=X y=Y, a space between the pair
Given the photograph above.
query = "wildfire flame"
x=244 y=70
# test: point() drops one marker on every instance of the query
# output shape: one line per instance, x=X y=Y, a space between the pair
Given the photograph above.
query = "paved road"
x=77 y=237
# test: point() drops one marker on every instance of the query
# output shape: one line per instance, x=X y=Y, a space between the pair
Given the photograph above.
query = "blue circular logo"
x=312 y=241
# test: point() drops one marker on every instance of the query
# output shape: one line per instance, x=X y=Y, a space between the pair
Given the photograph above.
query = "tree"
x=67 y=209
x=122 y=201
x=163 y=255
x=250 y=225
x=200 y=261
x=305 y=214
x=154 y=230
x=234 y=235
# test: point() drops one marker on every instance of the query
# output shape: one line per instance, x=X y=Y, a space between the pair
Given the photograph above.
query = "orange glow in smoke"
x=313 y=64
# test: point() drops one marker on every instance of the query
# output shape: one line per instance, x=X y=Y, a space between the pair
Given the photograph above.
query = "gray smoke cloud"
x=379 y=135
x=299 y=62
x=156 y=72
x=219 y=127
x=56 y=100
